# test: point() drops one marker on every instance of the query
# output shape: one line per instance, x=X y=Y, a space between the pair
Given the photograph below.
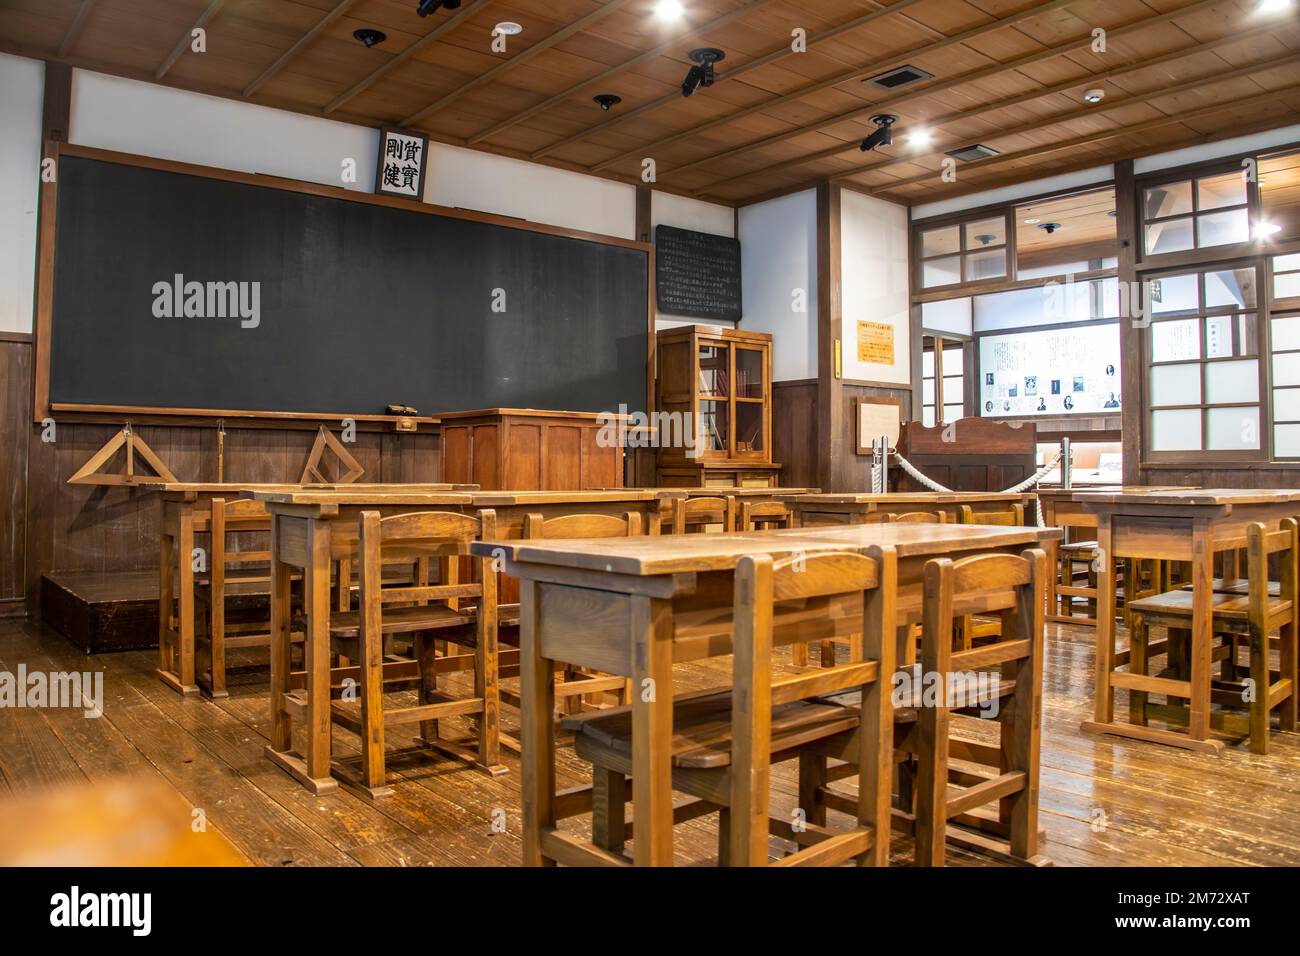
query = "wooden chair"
x=763 y=515
x=578 y=683
x=917 y=517
x=234 y=575
x=1011 y=515
x=421 y=612
x=950 y=679
x=694 y=515
x=724 y=742
x=1248 y=611
x=1069 y=555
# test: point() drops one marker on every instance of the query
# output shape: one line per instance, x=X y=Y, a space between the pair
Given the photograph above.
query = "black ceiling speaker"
x=370 y=37
x=1049 y=227
x=607 y=100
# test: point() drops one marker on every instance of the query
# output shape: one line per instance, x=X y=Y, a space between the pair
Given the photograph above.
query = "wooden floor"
x=1104 y=801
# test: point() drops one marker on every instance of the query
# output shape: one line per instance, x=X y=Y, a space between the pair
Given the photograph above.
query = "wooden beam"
x=442 y=29
x=213 y=8
x=727 y=74
x=1198 y=83
x=1136 y=129
x=283 y=59
x=613 y=71
x=971 y=76
x=559 y=36
x=1128 y=232
x=56 y=109
x=74 y=28
x=830 y=418
x=867 y=69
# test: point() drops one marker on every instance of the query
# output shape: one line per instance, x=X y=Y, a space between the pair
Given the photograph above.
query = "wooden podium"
x=524 y=449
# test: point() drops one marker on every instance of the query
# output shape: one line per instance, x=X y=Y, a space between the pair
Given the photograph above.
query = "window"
x=1195 y=213
x=1067 y=235
x=1285 y=341
x=943 y=379
x=1279 y=196
x=964 y=252
x=1286 y=277
x=1203 y=384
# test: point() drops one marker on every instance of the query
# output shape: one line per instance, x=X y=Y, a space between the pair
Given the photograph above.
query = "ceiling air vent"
x=970 y=153
x=900 y=77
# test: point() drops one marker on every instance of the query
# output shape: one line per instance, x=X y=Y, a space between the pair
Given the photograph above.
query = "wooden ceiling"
x=1006 y=73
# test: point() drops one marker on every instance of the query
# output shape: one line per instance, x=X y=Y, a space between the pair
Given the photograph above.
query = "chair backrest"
x=417 y=538
x=753 y=514
x=1011 y=515
x=1261 y=544
x=228 y=518
x=583 y=526
x=766 y=592
x=1005 y=585
x=918 y=517
x=695 y=514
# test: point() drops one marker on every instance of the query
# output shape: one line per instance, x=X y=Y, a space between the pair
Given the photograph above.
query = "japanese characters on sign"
x=402 y=163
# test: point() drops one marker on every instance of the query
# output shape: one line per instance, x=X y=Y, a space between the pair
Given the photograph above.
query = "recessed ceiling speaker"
x=901 y=76
x=370 y=37
x=607 y=100
x=1049 y=227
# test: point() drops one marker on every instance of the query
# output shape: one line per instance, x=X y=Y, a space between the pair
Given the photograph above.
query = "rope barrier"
x=1030 y=482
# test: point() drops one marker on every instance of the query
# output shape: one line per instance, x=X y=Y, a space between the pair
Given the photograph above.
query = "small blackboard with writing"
x=697 y=274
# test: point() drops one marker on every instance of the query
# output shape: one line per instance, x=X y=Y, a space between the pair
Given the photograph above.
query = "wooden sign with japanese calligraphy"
x=403 y=160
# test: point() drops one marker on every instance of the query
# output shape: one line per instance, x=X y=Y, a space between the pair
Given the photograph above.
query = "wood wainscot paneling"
x=15 y=426
x=108 y=529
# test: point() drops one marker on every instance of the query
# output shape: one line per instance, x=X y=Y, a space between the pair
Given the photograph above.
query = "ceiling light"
x=669 y=9
x=1093 y=96
x=369 y=37
x=921 y=137
x=884 y=134
x=1272 y=6
x=1032 y=222
x=507 y=28
x=426 y=7
x=701 y=74
x=606 y=100
x=1265 y=229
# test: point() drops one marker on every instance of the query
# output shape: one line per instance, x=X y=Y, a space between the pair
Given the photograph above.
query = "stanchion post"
x=1065 y=463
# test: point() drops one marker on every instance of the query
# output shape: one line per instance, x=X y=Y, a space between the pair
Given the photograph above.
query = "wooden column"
x=831 y=442
x=1130 y=334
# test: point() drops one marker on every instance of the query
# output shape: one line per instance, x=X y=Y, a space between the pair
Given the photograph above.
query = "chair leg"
x=486 y=677
x=371 y=689
x=812 y=775
x=217 y=648
x=426 y=653
x=932 y=787
x=1139 y=641
x=1259 y=677
x=724 y=837
x=1287 y=666
x=608 y=813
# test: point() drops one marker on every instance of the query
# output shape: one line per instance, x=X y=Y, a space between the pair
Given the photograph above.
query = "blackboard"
x=359 y=304
x=697 y=274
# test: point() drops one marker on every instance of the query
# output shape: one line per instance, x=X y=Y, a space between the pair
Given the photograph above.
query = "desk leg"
x=317 y=605
x=1104 y=705
x=281 y=728
x=1202 y=629
x=166 y=583
x=652 y=731
x=185 y=601
x=537 y=731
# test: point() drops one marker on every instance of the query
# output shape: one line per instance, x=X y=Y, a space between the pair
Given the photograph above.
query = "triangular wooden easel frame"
x=89 y=473
x=311 y=474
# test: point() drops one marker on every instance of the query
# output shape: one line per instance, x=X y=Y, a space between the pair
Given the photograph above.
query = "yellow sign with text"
x=876 y=343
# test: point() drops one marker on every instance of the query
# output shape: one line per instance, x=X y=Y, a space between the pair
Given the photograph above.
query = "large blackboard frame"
x=43 y=408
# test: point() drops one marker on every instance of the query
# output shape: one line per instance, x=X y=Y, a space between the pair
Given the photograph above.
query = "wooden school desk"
x=311 y=529
x=622 y=606
x=184 y=506
x=1170 y=525
x=811 y=510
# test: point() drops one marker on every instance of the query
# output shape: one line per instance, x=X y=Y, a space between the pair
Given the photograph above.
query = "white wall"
x=23 y=83
x=136 y=117
x=778 y=250
x=874 y=284
x=667 y=209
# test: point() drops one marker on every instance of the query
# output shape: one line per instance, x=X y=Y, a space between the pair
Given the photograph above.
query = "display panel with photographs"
x=1050 y=372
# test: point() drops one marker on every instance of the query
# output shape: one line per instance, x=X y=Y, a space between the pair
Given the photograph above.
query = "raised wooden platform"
x=101 y=612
